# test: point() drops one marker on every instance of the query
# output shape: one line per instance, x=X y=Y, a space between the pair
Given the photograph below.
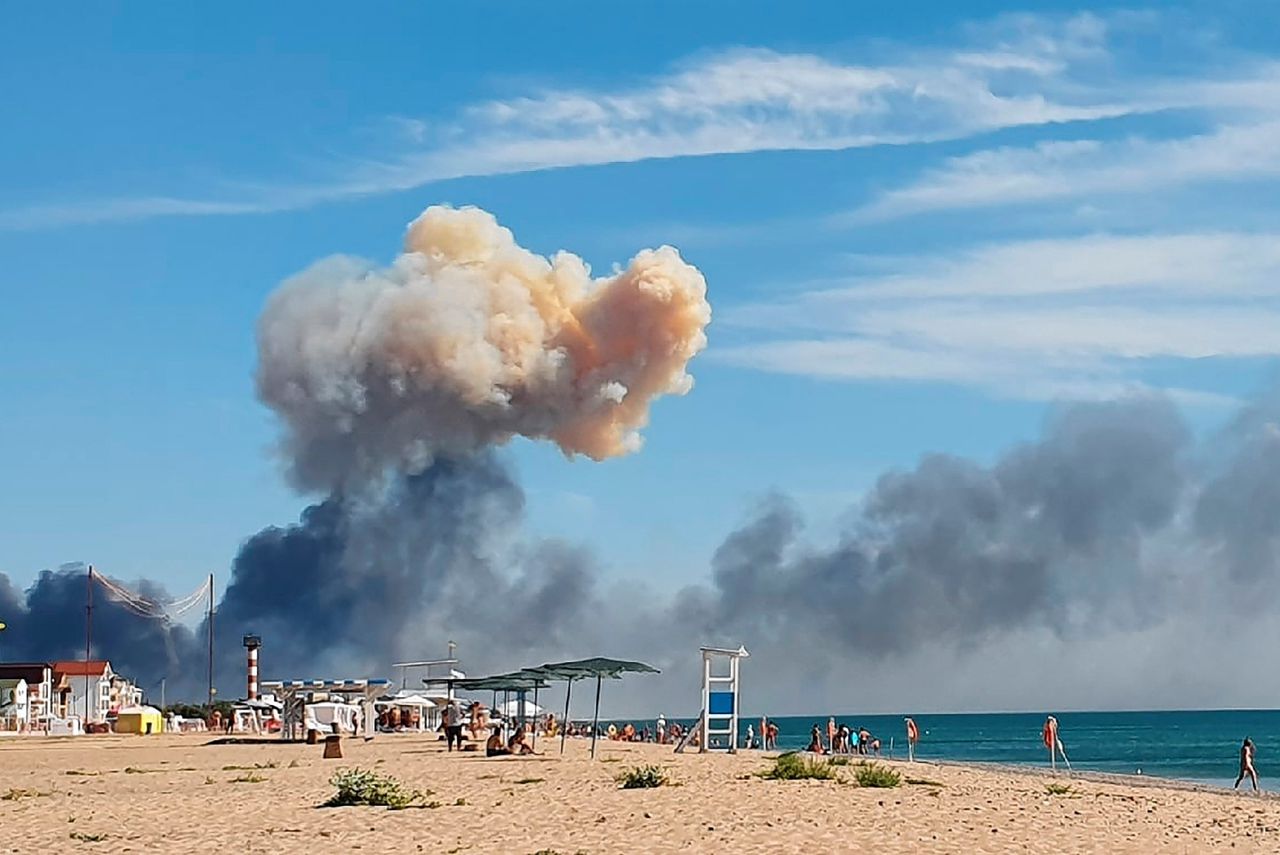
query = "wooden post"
x=595 y=720
x=564 y=724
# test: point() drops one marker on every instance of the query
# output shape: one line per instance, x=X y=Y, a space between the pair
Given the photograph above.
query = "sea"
x=1201 y=746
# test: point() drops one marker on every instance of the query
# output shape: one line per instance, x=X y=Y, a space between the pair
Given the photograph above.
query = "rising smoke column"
x=393 y=385
x=466 y=340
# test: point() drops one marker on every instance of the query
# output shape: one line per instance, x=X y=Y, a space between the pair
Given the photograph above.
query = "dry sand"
x=180 y=794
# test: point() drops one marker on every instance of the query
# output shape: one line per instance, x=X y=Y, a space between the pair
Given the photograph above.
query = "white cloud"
x=1071 y=169
x=1021 y=72
x=1075 y=317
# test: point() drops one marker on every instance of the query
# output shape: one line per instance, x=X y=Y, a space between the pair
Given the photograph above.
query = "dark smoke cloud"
x=359 y=582
x=47 y=623
x=1058 y=533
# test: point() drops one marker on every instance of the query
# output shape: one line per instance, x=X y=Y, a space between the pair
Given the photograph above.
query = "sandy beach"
x=181 y=794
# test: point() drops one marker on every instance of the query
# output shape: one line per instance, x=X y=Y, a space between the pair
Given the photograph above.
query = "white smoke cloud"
x=466 y=340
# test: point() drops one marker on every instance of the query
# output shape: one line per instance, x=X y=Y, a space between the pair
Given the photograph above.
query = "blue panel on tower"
x=721 y=703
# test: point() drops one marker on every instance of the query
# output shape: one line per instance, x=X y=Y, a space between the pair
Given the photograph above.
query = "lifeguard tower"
x=718 y=725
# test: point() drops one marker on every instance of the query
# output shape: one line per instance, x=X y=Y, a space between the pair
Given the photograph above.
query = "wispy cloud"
x=1084 y=168
x=1076 y=317
x=1022 y=71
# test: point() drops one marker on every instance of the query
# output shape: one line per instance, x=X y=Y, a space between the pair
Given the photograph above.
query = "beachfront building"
x=124 y=693
x=73 y=678
x=14 y=713
x=39 y=679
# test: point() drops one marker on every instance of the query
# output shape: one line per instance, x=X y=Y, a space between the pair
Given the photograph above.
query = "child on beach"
x=1246 y=765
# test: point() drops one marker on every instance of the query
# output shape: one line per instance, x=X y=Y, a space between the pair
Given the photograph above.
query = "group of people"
x=842 y=739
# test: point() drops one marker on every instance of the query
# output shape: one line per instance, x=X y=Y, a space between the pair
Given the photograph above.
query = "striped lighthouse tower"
x=252 y=643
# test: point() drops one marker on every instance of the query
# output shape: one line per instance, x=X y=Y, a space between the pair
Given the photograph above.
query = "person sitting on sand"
x=494 y=747
x=519 y=742
x=1246 y=765
x=815 y=741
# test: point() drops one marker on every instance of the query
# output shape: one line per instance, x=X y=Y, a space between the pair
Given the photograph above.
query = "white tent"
x=323 y=716
x=511 y=709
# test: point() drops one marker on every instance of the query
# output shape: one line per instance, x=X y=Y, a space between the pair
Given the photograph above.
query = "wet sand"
x=179 y=794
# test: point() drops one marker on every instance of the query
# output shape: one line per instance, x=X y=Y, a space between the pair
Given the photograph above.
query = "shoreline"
x=178 y=793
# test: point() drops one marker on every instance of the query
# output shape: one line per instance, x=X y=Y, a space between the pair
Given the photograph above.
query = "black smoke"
x=1114 y=520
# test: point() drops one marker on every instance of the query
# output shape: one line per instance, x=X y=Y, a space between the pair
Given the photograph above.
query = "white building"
x=15 y=713
x=72 y=678
x=40 y=686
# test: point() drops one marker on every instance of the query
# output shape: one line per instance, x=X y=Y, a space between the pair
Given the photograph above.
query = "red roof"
x=80 y=668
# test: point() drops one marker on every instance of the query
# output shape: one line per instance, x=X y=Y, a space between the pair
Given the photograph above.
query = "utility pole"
x=162 y=694
x=210 y=622
x=88 y=637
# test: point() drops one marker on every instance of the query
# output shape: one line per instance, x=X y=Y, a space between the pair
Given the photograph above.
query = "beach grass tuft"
x=875 y=775
x=247 y=778
x=925 y=782
x=642 y=778
x=86 y=837
x=796 y=767
x=1057 y=789
x=364 y=787
x=14 y=794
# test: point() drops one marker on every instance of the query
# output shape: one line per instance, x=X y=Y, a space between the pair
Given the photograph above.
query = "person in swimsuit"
x=1246 y=765
x=815 y=741
x=494 y=747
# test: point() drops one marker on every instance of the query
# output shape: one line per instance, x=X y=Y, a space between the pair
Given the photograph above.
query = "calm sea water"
x=1201 y=746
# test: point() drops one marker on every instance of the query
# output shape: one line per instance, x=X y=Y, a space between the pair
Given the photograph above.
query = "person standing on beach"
x=453 y=724
x=1246 y=765
x=662 y=729
x=831 y=735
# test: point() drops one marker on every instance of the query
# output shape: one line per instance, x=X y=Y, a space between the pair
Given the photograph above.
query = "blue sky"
x=921 y=225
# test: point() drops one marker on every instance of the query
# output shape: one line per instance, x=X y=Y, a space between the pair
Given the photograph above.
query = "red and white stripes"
x=252 y=690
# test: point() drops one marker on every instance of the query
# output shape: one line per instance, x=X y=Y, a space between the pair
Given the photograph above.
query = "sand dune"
x=178 y=794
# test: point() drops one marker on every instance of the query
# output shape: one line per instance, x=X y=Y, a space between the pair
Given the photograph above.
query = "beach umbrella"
x=580 y=669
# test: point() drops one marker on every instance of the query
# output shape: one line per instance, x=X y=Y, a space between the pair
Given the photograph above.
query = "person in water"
x=1246 y=765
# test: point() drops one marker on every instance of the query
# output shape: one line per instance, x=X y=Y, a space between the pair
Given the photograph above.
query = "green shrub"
x=796 y=767
x=873 y=775
x=642 y=777
x=1057 y=789
x=361 y=787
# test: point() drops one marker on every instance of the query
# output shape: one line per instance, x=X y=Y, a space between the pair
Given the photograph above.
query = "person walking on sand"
x=662 y=728
x=1246 y=765
x=831 y=735
x=913 y=736
x=453 y=724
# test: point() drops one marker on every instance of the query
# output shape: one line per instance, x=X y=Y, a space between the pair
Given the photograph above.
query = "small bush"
x=1057 y=789
x=642 y=778
x=247 y=778
x=362 y=787
x=873 y=775
x=796 y=767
